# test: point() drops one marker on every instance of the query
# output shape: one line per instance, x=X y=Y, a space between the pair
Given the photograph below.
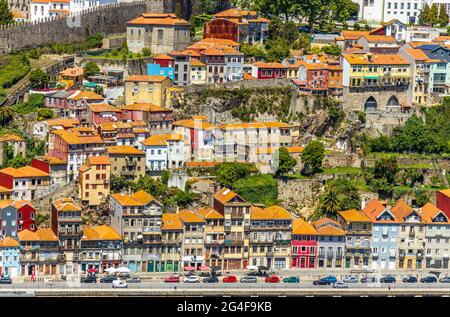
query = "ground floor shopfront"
x=153 y=266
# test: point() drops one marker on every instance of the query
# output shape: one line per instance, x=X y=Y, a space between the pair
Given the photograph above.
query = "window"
x=160 y=36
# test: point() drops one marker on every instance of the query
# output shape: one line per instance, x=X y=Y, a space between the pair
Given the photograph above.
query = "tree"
x=332 y=49
x=6 y=16
x=434 y=15
x=38 y=78
x=228 y=173
x=7 y=113
x=302 y=43
x=443 y=16
x=260 y=188
x=312 y=157
x=379 y=144
x=277 y=50
x=44 y=114
x=387 y=168
x=285 y=161
x=91 y=68
x=421 y=198
x=287 y=30
x=429 y=16
x=287 y=9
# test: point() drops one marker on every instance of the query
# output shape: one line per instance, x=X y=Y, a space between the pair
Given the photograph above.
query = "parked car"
x=369 y=279
x=172 y=279
x=388 y=279
x=272 y=279
x=350 y=279
x=211 y=279
x=230 y=279
x=428 y=279
x=291 y=279
x=329 y=280
x=409 y=279
x=88 y=279
x=108 y=279
x=445 y=279
x=339 y=284
x=134 y=279
x=191 y=279
x=118 y=283
x=5 y=280
x=248 y=279
x=258 y=273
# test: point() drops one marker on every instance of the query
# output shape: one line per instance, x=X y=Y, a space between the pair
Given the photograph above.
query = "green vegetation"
x=42 y=219
x=285 y=161
x=13 y=68
x=312 y=157
x=429 y=136
x=7 y=113
x=260 y=188
x=38 y=78
x=123 y=53
x=229 y=173
x=170 y=197
x=6 y=16
x=339 y=194
x=332 y=49
x=91 y=68
x=434 y=15
x=34 y=104
x=382 y=177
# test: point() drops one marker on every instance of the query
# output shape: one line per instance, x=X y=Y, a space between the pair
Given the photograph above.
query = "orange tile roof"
x=201 y=164
x=155 y=140
x=73 y=138
x=20 y=203
x=124 y=150
x=213 y=51
x=72 y=72
x=11 y=137
x=46 y=234
x=330 y=228
x=441 y=38
x=64 y=122
x=219 y=41
x=28 y=235
x=209 y=213
x=445 y=192
x=66 y=204
x=225 y=195
x=353 y=215
x=163 y=56
x=141 y=106
x=377 y=59
x=430 y=211
x=98 y=160
x=52 y=160
x=85 y=94
x=379 y=38
x=100 y=233
x=373 y=209
x=190 y=217
x=301 y=227
x=196 y=63
x=255 y=125
x=401 y=209
x=248 y=76
x=353 y=35
x=24 y=172
x=9 y=242
x=417 y=54
x=103 y=107
x=295 y=149
x=158 y=19
x=139 y=198
x=194 y=124
x=145 y=78
x=5 y=203
x=272 y=212
x=171 y=222
x=5 y=190
x=269 y=65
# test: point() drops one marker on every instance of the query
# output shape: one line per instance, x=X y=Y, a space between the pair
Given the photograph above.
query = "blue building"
x=163 y=65
x=385 y=233
x=10 y=257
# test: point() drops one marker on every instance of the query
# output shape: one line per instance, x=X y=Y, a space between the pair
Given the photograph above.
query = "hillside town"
x=234 y=140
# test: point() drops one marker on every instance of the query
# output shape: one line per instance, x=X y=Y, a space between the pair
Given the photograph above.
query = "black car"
x=5 y=280
x=88 y=279
x=108 y=279
x=387 y=279
x=428 y=279
x=369 y=279
x=211 y=279
x=259 y=274
x=410 y=279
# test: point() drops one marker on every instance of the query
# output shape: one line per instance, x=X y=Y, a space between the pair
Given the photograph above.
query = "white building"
x=41 y=9
x=165 y=151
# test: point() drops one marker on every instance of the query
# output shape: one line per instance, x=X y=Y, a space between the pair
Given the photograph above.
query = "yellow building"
x=198 y=71
x=93 y=182
x=142 y=88
x=214 y=236
x=126 y=161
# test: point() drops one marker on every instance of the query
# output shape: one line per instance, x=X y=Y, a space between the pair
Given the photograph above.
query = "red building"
x=26 y=215
x=443 y=201
x=102 y=113
x=320 y=78
x=261 y=70
x=164 y=60
x=304 y=245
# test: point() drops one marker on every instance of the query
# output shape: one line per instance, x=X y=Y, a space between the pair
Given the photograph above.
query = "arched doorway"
x=370 y=105
x=392 y=103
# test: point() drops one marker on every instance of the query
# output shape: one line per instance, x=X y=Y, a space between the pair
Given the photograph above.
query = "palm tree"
x=330 y=203
x=7 y=113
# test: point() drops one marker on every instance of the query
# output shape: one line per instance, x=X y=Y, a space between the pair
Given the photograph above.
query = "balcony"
x=401 y=254
x=214 y=241
x=130 y=162
x=233 y=242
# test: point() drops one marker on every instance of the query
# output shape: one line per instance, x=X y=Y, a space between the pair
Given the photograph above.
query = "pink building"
x=103 y=113
x=261 y=70
x=304 y=245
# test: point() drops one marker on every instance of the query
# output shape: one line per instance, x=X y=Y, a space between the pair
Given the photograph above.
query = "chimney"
x=369 y=57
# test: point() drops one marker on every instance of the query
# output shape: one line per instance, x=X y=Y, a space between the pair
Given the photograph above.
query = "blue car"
x=325 y=280
x=428 y=279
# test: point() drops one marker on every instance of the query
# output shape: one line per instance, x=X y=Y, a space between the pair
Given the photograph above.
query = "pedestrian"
x=389 y=287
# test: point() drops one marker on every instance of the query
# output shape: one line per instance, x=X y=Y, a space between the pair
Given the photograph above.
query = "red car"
x=230 y=279
x=272 y=279
x=172 y=279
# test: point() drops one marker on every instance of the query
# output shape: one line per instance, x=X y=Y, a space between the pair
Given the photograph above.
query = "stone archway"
x=370 y=105
x=392 y=103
